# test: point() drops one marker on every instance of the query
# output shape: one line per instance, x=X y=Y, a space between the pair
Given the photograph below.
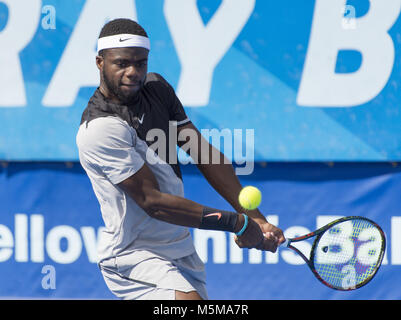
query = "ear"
x=99 y=62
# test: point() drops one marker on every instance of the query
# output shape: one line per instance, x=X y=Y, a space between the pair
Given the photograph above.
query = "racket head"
x=347 y=253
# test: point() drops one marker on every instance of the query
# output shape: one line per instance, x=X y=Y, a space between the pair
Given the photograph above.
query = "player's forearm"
x=181 y=211
x=143 y=189
x=174 y=209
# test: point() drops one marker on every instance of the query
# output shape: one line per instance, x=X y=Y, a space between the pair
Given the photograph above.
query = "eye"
x=121 y=63
x=141 y=64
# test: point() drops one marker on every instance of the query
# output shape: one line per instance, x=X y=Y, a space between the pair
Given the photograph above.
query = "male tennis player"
x=146 y=251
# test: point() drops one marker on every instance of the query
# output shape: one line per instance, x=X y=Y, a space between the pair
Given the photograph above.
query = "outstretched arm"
x=143 y=188
x=220 y=173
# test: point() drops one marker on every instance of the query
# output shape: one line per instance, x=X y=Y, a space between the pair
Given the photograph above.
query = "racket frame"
x=318 y=234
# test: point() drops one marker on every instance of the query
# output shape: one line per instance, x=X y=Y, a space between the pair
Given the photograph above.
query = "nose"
x=131 y=72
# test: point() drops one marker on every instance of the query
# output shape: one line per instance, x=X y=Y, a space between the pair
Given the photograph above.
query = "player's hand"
x=252 y=237
x=272 y=232
x=273 y=236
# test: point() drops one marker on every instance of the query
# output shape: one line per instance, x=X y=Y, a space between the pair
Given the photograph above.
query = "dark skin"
x=122 y=74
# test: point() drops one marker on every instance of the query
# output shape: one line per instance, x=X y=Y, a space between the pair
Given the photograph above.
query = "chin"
x=127 y=93
x=125 y=98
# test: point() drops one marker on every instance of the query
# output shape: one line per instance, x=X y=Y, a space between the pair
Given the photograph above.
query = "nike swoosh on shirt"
x=141 y=120
x=217 y=214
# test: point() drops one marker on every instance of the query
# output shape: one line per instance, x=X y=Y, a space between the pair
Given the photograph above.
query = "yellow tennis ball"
x=250 y=198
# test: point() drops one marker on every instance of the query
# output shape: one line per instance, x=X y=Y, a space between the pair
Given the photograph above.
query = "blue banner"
x=50 y=221
x=314 y=80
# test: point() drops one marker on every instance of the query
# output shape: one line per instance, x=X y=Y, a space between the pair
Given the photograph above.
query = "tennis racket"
x=346 y=253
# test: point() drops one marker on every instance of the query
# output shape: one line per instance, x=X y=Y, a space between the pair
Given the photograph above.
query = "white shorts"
x=154 y=277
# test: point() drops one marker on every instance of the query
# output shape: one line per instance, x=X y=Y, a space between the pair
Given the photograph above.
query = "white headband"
x=123 y=41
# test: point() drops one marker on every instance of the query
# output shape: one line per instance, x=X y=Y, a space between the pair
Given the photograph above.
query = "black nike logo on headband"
x=122 y=40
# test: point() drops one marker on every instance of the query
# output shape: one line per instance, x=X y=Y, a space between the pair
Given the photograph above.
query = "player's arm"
x=109 y=147
x=143 y=188
x=221 y=176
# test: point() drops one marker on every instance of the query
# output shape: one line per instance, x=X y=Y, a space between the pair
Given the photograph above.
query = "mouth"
x=130 y=84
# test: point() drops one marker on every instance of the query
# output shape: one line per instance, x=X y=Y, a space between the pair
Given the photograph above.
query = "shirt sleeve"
x=176 y=111
x=109 y=145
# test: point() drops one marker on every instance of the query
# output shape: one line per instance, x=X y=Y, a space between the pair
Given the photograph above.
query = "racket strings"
x=348 y=254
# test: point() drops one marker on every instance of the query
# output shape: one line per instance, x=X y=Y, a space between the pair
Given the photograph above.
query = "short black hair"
x=121 y=26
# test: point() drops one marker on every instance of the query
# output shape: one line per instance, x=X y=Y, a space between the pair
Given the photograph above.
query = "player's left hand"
x=273 y=237
x=272 y=231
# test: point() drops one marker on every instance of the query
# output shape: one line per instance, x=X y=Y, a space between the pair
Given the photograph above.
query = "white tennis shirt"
x=110 y=151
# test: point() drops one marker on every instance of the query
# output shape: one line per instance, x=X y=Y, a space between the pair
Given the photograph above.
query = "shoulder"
x=155 y=78
x=156 y=81
x=104 y=131
x=158 y=87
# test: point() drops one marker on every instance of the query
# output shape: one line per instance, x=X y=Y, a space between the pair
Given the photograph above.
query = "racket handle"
x=285 y=243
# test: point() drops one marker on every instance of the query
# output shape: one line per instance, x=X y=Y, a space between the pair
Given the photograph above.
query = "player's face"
x=123 y=72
